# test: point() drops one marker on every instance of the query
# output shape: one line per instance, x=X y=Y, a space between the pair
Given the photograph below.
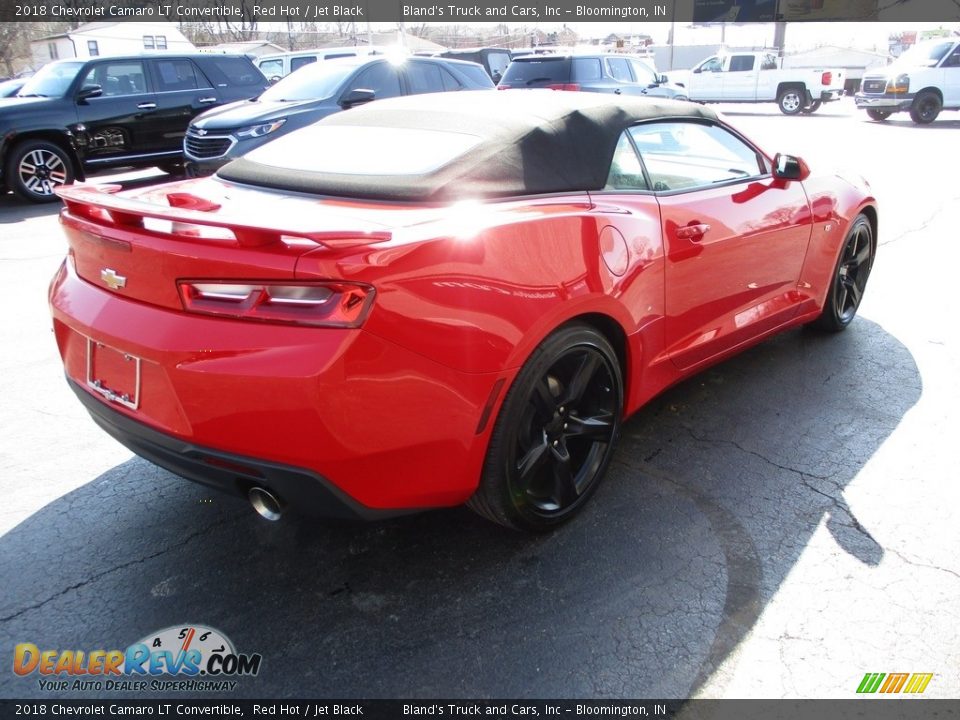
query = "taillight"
x=319 y=304
x=501 y=86
x=826 y=78
x=564 y=86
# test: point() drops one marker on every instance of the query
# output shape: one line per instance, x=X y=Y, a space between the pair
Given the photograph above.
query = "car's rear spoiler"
x=99 y=204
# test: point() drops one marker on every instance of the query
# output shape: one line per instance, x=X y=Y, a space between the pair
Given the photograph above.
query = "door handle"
x=692 y=232
x=147 y=106
x=207 y=100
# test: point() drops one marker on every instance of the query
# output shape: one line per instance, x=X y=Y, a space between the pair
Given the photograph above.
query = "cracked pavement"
x=774 y=527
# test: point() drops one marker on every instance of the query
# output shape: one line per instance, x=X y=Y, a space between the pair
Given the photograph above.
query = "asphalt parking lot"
x=775 y=527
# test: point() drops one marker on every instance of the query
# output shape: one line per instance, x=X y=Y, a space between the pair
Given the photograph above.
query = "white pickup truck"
x=758 y=77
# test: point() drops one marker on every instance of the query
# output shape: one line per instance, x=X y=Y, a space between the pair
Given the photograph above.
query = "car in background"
x=444 y=298
x=923 y=81
x=275 y=67
x=314 y=92
x=9 y=88
x=78 y=116
x=493 y=60
x=602 y=73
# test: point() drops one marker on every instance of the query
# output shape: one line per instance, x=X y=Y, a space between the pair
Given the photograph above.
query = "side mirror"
x=274 y=80
x=355 y=97
x=790 y=167
x=662 y=79
x=89 y=91
x=697 y=70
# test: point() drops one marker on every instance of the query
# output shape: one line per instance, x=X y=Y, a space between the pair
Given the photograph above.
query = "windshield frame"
x=43 y=80
x=329 y=75
x=922 y=54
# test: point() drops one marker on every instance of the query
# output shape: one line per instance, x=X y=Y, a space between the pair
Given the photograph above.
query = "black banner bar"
x=484 y=11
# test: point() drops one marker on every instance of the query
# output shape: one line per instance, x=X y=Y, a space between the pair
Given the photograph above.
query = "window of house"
x=54 y=52
x=92 y=48
x=148 y=43
x=161 y=41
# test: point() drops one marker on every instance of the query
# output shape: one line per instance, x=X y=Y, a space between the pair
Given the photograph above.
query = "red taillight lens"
x=826 y=78
x=321 y=304
x=503 y=87
x=564 y=86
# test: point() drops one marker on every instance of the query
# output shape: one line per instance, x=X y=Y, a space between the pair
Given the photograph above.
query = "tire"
x=790 y=101
x=812 y=107
x=878 y=115
x=555 y=433
x=36 y=167
x=849 y=277
x=926 y=106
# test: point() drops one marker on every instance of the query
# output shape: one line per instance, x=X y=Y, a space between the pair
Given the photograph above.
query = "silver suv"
x=605 y=73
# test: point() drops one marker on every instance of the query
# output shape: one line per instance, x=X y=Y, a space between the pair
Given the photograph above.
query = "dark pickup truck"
x=78 y=116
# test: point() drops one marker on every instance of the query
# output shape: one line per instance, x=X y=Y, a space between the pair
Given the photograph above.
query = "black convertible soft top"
x=501 y=144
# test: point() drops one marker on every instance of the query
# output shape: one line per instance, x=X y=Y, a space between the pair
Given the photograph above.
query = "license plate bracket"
x=113 y=374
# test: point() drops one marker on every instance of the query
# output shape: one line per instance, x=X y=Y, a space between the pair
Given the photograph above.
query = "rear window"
x=362 y=150
x=233 y=71
x=536 y=72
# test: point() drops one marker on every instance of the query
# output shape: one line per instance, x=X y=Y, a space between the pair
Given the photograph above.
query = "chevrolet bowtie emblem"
x=111 y=278
x=200 y=131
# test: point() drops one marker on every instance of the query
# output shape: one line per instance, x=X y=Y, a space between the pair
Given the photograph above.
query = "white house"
x=110 y=38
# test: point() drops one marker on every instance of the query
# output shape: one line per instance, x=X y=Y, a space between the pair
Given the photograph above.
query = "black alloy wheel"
x=850 y=277
x=926 y=107
x=555 y=434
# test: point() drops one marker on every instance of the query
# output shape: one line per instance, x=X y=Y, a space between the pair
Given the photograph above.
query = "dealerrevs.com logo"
x=187 y=658
x=894 y=683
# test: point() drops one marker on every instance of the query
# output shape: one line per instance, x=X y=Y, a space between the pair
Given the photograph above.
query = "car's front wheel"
x=926 y=107
x=849 y=277
x=878 y=115
x=36 y=167
x=555 y=434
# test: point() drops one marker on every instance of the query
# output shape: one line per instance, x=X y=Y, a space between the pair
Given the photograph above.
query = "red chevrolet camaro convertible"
x=443 y=299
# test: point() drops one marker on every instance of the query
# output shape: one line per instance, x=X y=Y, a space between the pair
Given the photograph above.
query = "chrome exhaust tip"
x=267 y=505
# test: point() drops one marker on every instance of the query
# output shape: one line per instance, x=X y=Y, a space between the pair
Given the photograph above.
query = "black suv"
x=77 y=116
x=605 y=73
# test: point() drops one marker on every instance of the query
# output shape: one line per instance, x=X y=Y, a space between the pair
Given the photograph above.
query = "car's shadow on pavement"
x=715 y=492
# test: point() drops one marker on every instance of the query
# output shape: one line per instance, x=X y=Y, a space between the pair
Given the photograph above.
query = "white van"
x=280 y=65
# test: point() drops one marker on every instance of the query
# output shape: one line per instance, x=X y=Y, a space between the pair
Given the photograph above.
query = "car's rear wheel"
x=926 y=106
x=878 y=115
x=849 y=277
x=812 y=107
x=555 y=434
x=790 y=101
x=36 y=167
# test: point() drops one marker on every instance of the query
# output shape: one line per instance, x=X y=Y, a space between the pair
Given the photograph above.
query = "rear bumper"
x=320 y=411
x=831 y=95
x=303 y=490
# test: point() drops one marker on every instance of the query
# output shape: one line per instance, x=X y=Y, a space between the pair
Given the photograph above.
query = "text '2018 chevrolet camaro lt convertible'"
x=443 y=299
